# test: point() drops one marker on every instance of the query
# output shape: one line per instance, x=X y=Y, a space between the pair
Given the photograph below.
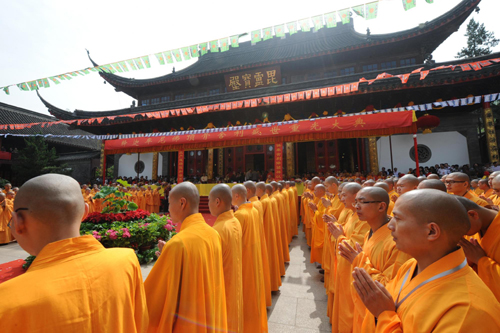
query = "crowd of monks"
x=7 y=196
x=398 y=255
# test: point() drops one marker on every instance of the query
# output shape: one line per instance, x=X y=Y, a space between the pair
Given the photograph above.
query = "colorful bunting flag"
x=67 y=77
x=161 y=58
x=203 y=48
x=168 y=57
x=40 y=83
x=318 y=22
x=279 y=30
x=292 y=28
x=132 y=64
x=33 y=85
x=214 y=46
x=224 y=45
x=6 y=90
x=371 y=10
x=344 y=15
x=46 y=83
x=138 y=63
x=123 y=64
x=268 y=33
x=429 y=1
x=256 y=37
x=177 y=55
x=359 y=10
x=117 y=67
x=304 y=25
x=235 y=41
x=80 y=73
x=145 y=59
x=331 y=20
x=94 y=69
x=409 y=4
x=60 y=77
x=194 y=51
x=185 y=53
x=74 y=74
x=86 y=71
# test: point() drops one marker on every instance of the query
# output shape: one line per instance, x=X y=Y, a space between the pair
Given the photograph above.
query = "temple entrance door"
x=254 y=162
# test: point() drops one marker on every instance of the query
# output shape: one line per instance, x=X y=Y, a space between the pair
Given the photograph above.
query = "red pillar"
x=278 y=161
x=180 y=167
x=416 y=154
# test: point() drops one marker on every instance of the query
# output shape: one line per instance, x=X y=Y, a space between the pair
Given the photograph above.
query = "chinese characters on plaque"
x=255 y=78
x=180 y=167
x=278 y=161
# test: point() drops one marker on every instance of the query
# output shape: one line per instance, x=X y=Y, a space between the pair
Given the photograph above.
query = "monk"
x=432 y=292
x=296 y=200
x=494 y=199
x=156 y=201
x=286 y=209
x=485 y=187
x=474 y=185
x=378 y=256
x=148 y=195
x=5 y=216
x=385 y=187
x=407 y=183
x=318 y=236
x=87 y=197
x=7 y=188
x=292 y=202
x=185 y=289
x=433 y=176
x=281 y=219
x=459 y=183
x=283 y=253
x=368 y=183
x=392 y=192
x=308 y=212
x=74 y=284
x=433 y=184
x=254 y=292
x=304 y=203
x=421 y=178
x=141 y=197
x=229 y=229
x=276 y=265
x=252 y=197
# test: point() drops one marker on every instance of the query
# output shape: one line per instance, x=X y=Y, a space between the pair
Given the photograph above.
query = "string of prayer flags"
x=256 y=37
x=203 y=48
x=318 y=22
x=55 y=80
x=292 y=27
x=214 y=46
x=359 y=10
x=132 y=64
x=331 y=20
x=177 y=55
x=345 y=16
x=235 y=41
x=268 y=33
x=224 y=45
x=145 y=59
x=33 y=85
x=23 y=86
x=279 y=30
x=138 y=62
x=409 y=4
x=161 y=58
x=118 y=68
x=304 y=25
x=194 y=51
x=371 y=10
x=185 y=53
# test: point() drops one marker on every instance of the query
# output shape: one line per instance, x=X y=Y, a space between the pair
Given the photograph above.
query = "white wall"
x=127 y=162
x=446 y=147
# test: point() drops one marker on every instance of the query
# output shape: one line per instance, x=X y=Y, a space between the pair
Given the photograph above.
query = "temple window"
x=408 y=62
x=179 y=96
x=145 y=102
x=155 y=100
x=389 y=64
x=347 y=71
x=369 y=68
x=165 y=99
x=214 y=92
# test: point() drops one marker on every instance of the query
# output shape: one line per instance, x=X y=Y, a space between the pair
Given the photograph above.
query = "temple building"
x=328 y=101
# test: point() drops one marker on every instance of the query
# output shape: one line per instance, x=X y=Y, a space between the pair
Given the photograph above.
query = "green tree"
x=479 y=41
x=37 y=159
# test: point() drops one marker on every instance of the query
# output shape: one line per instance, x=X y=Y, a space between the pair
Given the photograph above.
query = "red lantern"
x=427 y=123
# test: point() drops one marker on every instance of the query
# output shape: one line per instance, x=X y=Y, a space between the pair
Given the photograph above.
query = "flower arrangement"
x=127 y=216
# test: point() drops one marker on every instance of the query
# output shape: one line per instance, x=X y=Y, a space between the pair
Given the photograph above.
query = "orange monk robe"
x=185 y=289
x=309 y=222
x=496 y=200
x=343 y=306
x=229 y=229
x=478 y=191
x=156 y=202
x=98 y=206
x=283 y=225
x=488 y=267
x=272 y=244
x=392 y=193
x=286 y=208
x=283 y=253
x=296 y=197
x=489 y=193
x=5 y=216
x=76 y=285
x=458 y=302
x=390 y=207
x=304 y=207
x=476 y=200
x=149 y=201
x=335 y=209
x=141 y=198
x=318 y=236
x=254 y=292
x=263 y=249
x=88 y=199
x=293 y=211
x=473 y=193
x=382 y=260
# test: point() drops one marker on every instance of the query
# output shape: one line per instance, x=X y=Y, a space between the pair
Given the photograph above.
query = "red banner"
x=5 y=155
x=278 y=161
x=180 y=167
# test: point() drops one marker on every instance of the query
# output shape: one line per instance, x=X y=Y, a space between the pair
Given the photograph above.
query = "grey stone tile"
x=283 y=311
x=312 y=314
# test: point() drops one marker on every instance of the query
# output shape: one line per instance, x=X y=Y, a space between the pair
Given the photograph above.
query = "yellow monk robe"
x=297 y=208
x=156 y=201
x=185 y=289
x=229 y=229
x=5 y=216
x=476 y=200
x=272 y=244
x=489 y=193
x=76 y=285
x=335 y=209
x=304 y=207
x=392 y=193
x=141 y=198
x=473 y=193
x=309 y=222
x=488 y=267
x=293 y=211
x=263 y=249
x=381 y=259
x=478 y=191
x=283 y=253
x=88 y=199
x=496 y=199
x=254 y=292
x=283 y=225
x=149 y=201
x=343 y=306
x=286 y=208
x=345 y=215
x=458 y=302
x=318 y=236
x=390 y=208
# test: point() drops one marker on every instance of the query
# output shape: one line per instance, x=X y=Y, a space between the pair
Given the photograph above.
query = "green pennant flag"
x=40 y=83
x=161 y=58
x=23 y=86
x=203 y=48
x=304 y=25
x=138 y=63
x=46 y=83
x=33 y=85
x=344 y=15
x=292 y=27
x=60 y=77
x=177 y=55
x=331 y=20
x=55 y=80
x=72 y=74
x=168 y=57
x=145 y=59
x=268 y=33
x=214 y=46
x=185 y=53
x=256 y=36
x=67 y=77
x=224 y=44
x=93 y=69
x=409 y=4
x=194 y=51
x=104 y=69
x=118 y=67
x=235 y=41
x=123 y=64
x=85 y=71
x=359 y=10
x=132 y=64
x=318 y=22
x=279 y=30
x=371 y=10
x=429 y=1
x=6 y=90
x=109 y=69
x=80 y=73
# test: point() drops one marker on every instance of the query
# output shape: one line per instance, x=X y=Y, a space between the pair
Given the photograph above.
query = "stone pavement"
x=298 y=307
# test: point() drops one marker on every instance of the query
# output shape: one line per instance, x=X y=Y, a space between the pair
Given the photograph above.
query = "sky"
x=46 y=38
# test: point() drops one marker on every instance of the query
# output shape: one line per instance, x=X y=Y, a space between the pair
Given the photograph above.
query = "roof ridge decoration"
x=318 y=22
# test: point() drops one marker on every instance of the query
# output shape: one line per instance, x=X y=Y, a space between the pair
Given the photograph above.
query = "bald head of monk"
x=319 y=191
x=49 y=208
x=428 y=225
x=371 y=206
x=484 y=185
x=239 y=193
x=269 y=189
x=407 y=183
x=251 y=189
x=480 y=218
x=184 y=200
x=315 y=181
x=390 y=183
x=433 y=176
x=421 y=178
x=383 y=186
x=495 y=184
x=369 y=183
x=275 y=186
x=490 y=178
x=280 y=187
x=220 y=199
x=287 y=184
x=435 y=184
x=332 y=185
x=11 y=194
x=348 y=195
x=458 y=183
x=261 y=189
x=2 y=197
